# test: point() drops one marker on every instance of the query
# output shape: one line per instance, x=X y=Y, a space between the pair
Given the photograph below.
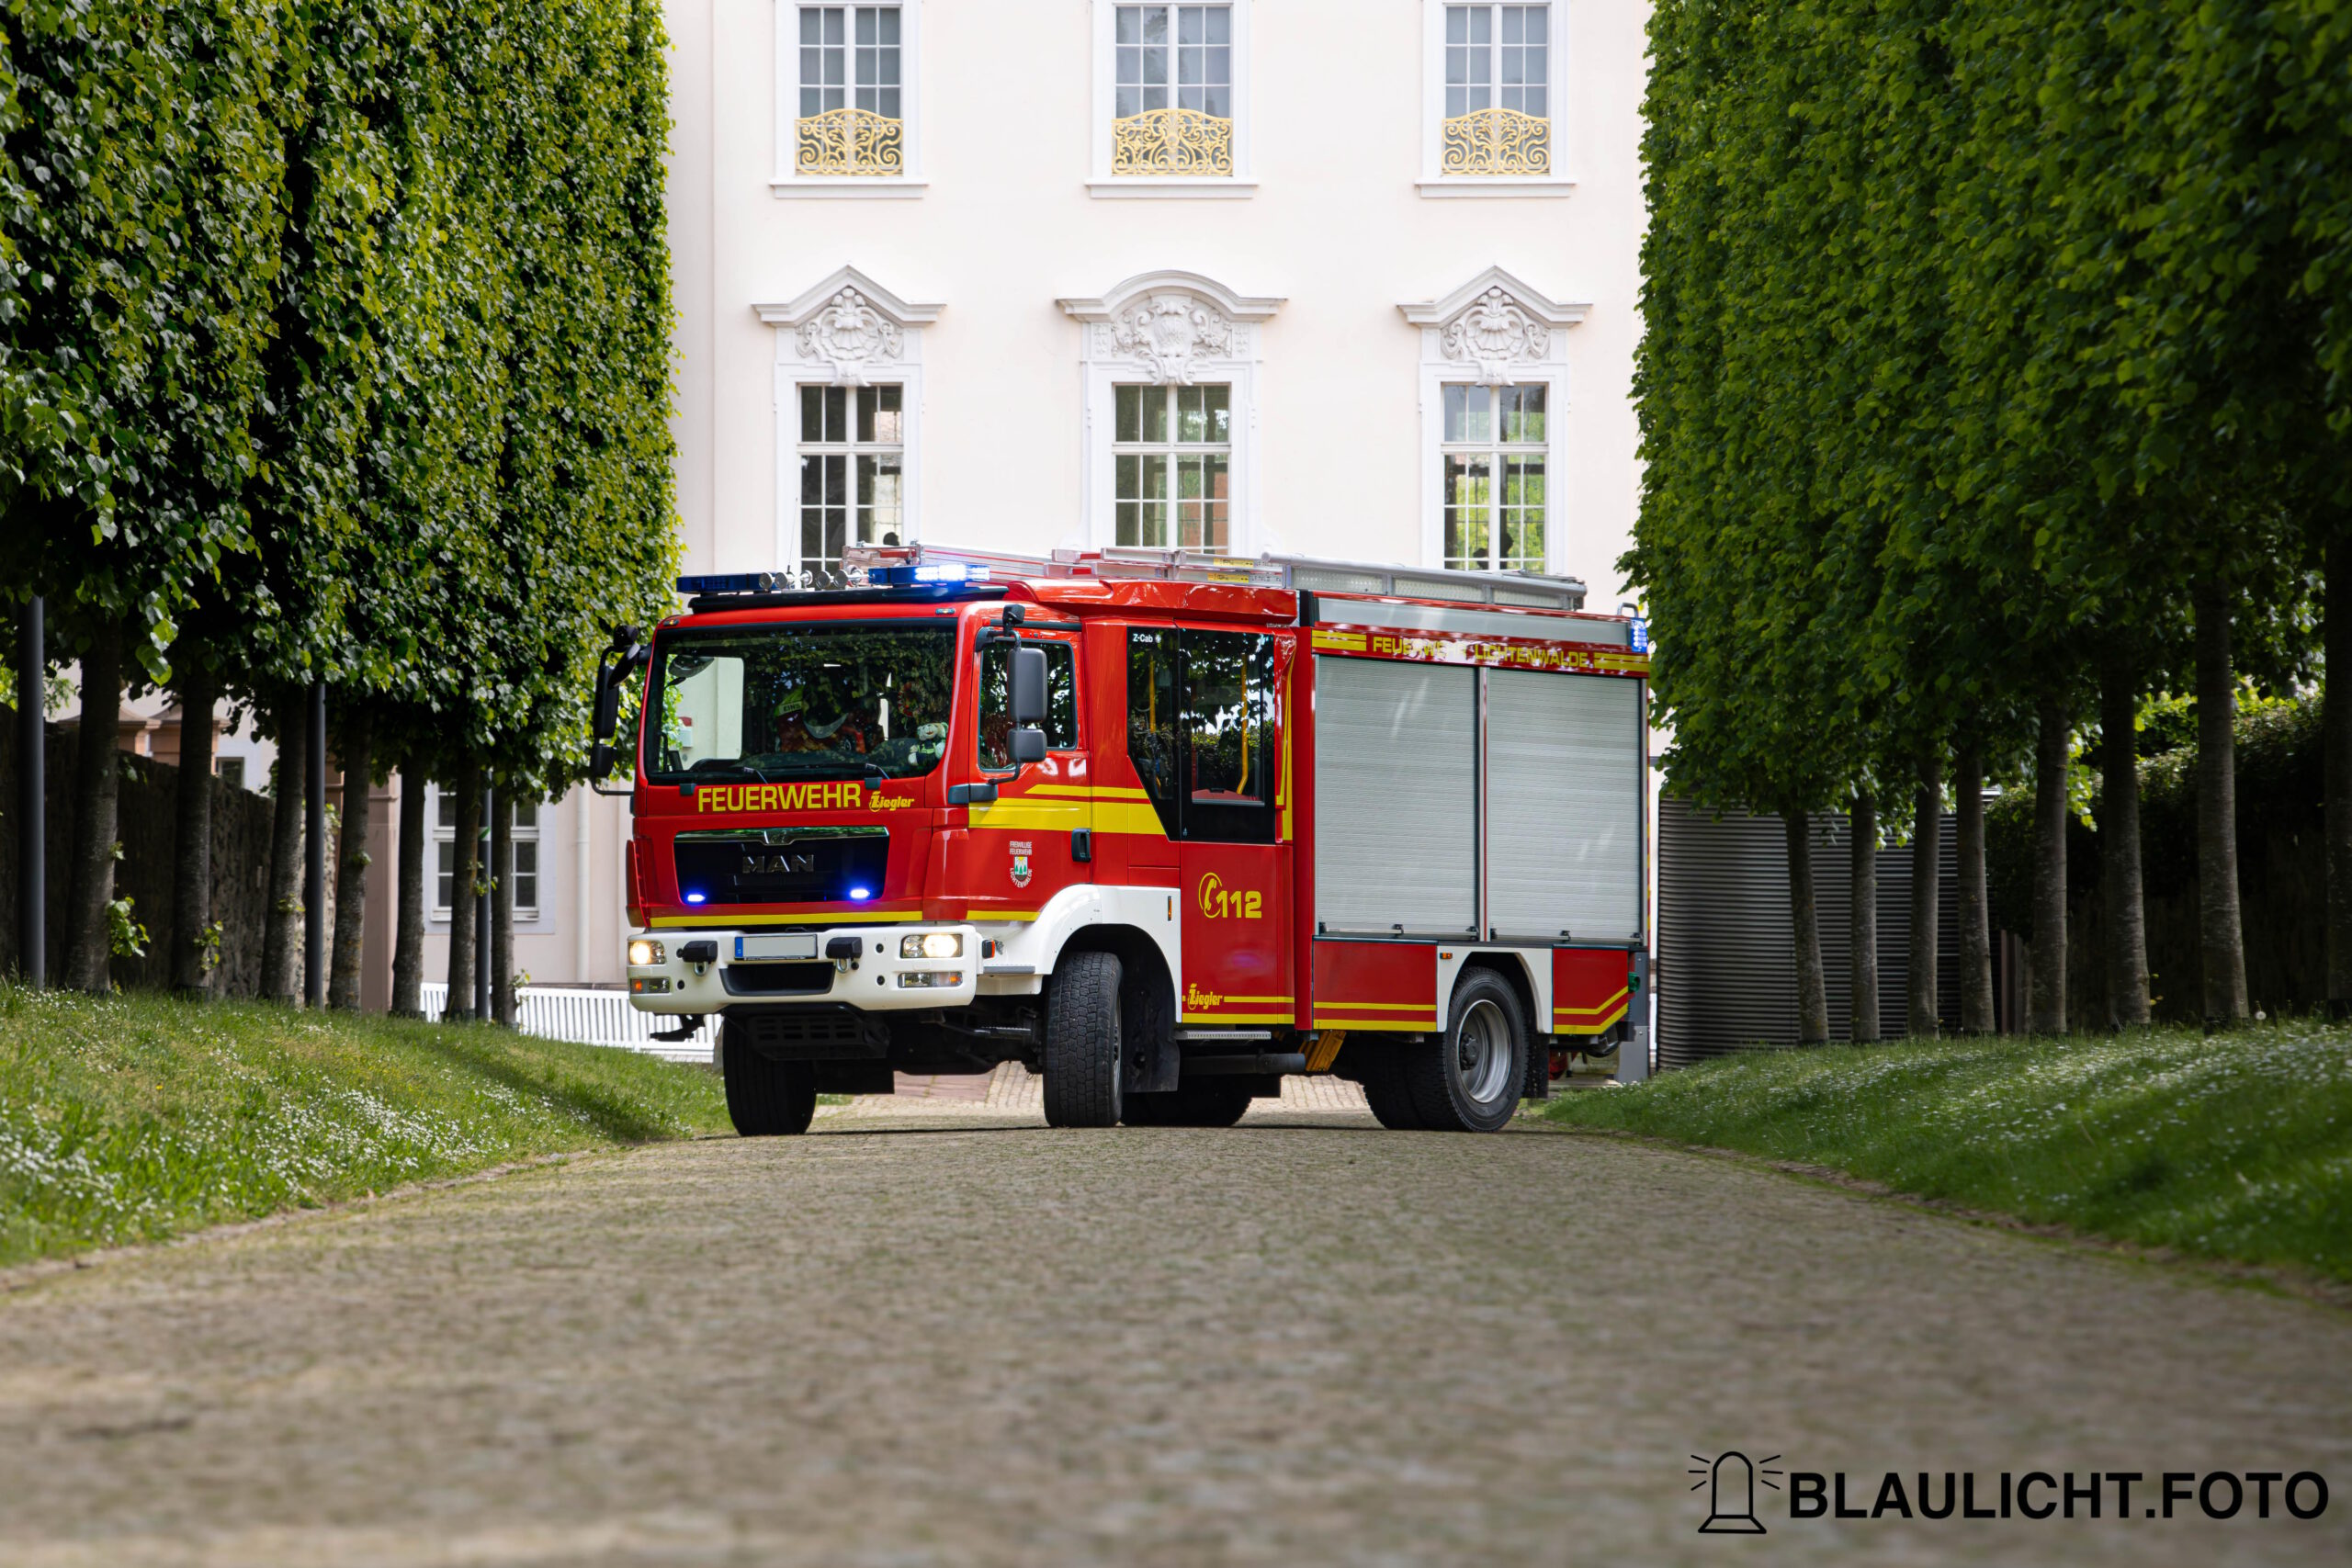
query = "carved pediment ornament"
x=1167 y=332
x=1495 y=333
x=850 y=334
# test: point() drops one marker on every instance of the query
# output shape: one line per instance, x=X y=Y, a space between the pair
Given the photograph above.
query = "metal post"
x=32 y=800
x=482 y=912
x=314 y=871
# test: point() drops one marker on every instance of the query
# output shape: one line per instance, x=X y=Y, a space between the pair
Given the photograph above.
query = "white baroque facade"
x=1342 y=277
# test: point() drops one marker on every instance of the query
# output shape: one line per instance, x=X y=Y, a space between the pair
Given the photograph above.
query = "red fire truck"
x=1160 y=826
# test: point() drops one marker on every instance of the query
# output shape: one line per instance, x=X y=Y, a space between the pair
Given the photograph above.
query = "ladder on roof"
x=1309 y=574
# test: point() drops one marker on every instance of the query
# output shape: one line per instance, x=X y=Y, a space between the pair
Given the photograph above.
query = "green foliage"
x=2238 y=1148
x=136 y=1119
x=334 y=345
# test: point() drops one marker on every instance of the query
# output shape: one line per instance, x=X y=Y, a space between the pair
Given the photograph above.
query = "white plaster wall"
x=1006 y=225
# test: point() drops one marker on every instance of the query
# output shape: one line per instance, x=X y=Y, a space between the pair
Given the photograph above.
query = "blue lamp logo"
x=1730 y=1479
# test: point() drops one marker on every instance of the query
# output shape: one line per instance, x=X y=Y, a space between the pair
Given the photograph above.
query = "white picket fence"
x=590 y=1017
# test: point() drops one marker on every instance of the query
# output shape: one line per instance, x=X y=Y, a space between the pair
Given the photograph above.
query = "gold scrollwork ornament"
x=850 y=142
x=1496 y=141
x=1171 y=142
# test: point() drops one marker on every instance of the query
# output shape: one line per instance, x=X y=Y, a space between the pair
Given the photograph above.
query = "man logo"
x=780 y=864
x=1730 y=1480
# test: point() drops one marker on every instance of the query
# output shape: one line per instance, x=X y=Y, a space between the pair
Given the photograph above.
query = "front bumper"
x=872 y=982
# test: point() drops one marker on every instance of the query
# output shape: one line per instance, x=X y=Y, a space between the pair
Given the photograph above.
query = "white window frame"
x=847 y=330
x=1434 y=182
x=1173 y=450
x=531 y=916
x=1204 y=333
x=1497 y=452
x=1498 y=331
x=786 y=182
x=1104 y=185
x=850 y=449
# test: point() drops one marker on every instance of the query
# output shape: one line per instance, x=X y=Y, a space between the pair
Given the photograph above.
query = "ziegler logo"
x=1198 y=1000
x=1219 y=902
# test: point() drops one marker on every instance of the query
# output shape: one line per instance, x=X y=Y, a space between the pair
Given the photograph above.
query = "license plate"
x=775 y=948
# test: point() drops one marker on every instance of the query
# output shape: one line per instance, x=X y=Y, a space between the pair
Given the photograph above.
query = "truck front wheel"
x=1082 y=1050
x=1471 y=1082
x=765 y=1098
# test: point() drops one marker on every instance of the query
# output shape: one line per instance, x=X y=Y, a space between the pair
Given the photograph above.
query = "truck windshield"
x=800 y=701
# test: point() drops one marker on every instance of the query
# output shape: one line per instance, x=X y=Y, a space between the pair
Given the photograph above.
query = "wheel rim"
x=1480 y=1060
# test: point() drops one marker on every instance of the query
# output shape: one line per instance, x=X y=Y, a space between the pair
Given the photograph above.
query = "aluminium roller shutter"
x=1396 y=796
x=1564 y=802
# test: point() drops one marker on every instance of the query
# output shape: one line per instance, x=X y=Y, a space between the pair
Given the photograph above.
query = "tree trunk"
x=193 y=954
x=2336 y=744
x=2047 y=1008
x=1976 y=1012
x=281 y=948
x=97 y=781
x=2221 y=939
x=1862 y=881
x=351 y=861
x=408 y=928
x=466 y=856
x=501 y=911
x=2118 y=845
x=1812 y=990
x=1923 y=1019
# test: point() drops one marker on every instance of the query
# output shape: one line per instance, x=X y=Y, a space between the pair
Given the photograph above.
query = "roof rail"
x=1312 y=573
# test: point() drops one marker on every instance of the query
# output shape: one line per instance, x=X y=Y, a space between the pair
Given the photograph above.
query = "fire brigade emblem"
x=1021 y=865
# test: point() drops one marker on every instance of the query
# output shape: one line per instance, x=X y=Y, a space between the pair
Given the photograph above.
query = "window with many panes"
x=853 y=470
x=1172 y=90
x=852 y=90
x=1495 y=454
x=1172 y=466
x=526 y=855
x=1498 y=90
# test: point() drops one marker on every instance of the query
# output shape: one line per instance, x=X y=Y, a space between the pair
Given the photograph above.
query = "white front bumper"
x=870 y=982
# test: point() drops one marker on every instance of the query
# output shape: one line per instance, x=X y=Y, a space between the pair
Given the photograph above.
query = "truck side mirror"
x=1028 y=688
x=1028 y=746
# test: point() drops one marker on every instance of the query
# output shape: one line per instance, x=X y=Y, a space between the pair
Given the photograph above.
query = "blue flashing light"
x=694 y=898
x=934 y=573
x=1640 y=635
x=861 y=894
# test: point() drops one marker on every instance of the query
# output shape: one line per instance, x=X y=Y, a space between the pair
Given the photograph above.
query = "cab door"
x=1233 y=866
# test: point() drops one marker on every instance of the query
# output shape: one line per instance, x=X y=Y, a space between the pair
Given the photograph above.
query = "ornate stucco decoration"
x=1167 y=332
x=1169 y=323
x=850 y=334
x=1495 y=333
x=1496 y=326
x=852 y=326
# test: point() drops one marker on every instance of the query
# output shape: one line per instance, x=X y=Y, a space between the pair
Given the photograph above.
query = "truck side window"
x=996 y=700
x=1151 y=718
x=1229 y=720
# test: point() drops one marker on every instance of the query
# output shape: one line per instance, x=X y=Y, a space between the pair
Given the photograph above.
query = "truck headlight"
x=931 y=944
x=643 y=952
x=930 y=979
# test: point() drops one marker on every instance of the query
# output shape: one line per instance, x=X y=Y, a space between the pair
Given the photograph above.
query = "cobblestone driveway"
x=941 y=1335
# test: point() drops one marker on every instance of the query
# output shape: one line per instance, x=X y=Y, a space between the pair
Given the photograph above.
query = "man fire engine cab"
x=1161 y=828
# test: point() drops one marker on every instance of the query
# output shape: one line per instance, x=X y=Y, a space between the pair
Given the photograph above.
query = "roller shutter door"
x=1396 y=796
x=1563 y=798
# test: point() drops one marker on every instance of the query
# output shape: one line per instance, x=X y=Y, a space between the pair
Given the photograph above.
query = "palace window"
x=1171 y=91
x=846 y=78
x=1491 y=95
x=445 y=855
x=1496 y=453
x=1172 y=462
x=853 y=470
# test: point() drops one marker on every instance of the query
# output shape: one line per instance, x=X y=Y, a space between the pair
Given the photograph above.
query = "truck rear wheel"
x=763 y=1097
x=1210 y=1104
x=1471 y=1082
x=1082 y=1050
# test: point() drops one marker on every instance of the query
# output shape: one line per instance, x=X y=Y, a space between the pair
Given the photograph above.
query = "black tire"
x=1213 y=1103
x=1470 y=1081
x=764 y=1099
x=1083 y=1072
x=1385 y=1088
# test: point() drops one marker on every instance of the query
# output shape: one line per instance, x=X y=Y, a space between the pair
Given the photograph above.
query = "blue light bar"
x=737 y=583
x=935 y=572
x=861 y=894
x=694 y=898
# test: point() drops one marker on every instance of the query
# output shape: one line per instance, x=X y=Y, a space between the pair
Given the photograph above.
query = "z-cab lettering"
x=1219 y=902
x=844 y=797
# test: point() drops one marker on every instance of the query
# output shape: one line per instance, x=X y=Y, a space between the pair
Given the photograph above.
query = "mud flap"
x=1148 y=1028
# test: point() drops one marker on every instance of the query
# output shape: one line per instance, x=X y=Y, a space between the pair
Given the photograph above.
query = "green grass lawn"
x=135 y=1118
x=2238 y=1147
